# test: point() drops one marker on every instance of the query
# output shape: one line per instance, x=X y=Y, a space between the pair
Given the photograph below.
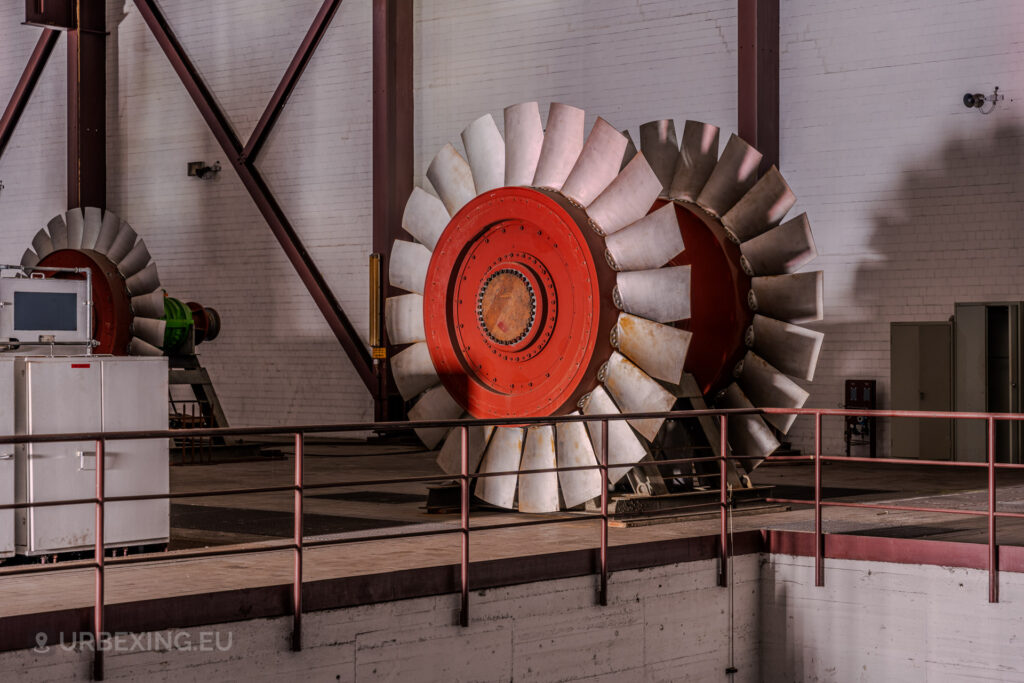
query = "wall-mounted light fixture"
x=200 y=169
x=978 y=101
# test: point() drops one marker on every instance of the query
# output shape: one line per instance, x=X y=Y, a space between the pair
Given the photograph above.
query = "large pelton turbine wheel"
x=131 y=314
x=557 y=271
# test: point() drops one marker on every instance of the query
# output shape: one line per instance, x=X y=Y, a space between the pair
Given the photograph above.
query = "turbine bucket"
x=575 y=450
x=29 y=259
x=143 y=282
x=452 y=178
x=413 y=371
x=503 y=455
x=135 y=260
x=661 y=149
x=733 y=175
x=149 y=330
x=407 y=267
x=563 y=142
x=627 y=199
x=659 y=350
x=651 y=242
x=149 y=305
x=524 y=137
x=760 y=209
x=643 y=293
x=485 y=150
x=109 y=229
x=450 y=457
x=123 y=243
x=635 y=392
x=790 y=348
x=75 y=222
x=766 y=387
x=538 y=492
x=403 y=318
x=749 y=435
x=425 y=217
x=91 y=230
x=631 y=149
x=697 y=158
x=794 y=298
x=781 y=250
x=597 y=165
x=434 y=404
x=138 y=347
x=58 y=231
x=43 y=244
x=624 y=448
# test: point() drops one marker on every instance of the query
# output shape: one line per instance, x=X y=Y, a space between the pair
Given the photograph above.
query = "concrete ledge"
x=19 y=632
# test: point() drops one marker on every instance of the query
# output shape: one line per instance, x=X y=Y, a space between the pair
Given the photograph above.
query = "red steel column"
x=392 y=144
x=27 y=83
x=758 y=91
x=87 y=107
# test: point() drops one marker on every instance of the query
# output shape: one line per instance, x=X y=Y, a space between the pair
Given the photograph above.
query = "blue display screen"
x=45 y=311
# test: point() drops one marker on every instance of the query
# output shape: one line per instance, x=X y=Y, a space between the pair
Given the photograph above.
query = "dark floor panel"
x=386 y=497
x=798 y=492
x=267 y=522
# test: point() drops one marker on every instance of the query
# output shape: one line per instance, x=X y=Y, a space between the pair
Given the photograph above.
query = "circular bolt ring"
x=546 y=240
x=485 y=299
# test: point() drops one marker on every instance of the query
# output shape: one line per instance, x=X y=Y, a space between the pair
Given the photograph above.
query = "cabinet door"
x=134 y=398
x=6 y=457
x=62 y=395
x=920 y=360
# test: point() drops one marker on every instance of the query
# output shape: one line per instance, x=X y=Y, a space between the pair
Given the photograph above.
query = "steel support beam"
x=392 y=143
x=23 y=91
x=87 y=107
x=290 y=80
x=758 y=92
x=258 y=190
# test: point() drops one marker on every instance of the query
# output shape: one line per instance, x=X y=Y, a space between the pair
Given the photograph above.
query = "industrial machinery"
x=555 y=271
x=84 y=327
x=132 y=314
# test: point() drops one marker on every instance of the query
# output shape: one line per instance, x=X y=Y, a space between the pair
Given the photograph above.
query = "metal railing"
x=298 y=544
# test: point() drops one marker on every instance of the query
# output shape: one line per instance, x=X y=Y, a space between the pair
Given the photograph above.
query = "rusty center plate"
x=506 y=306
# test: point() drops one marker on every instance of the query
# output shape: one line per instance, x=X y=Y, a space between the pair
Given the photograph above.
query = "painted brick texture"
x=914 y=200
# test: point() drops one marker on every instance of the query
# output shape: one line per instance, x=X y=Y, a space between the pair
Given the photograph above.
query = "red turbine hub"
x=719 y=314
x=517 y=304
x=111 y=314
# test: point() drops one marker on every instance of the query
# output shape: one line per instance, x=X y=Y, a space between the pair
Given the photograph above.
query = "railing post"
x=723 y=501
x=993 y=549
x=464 y=514
x=603 y=591
x=97 y=613
x=297 y=578
x=819 y=538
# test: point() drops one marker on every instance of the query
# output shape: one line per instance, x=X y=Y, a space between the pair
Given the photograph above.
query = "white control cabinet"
x=89 y=394
x=6 y=457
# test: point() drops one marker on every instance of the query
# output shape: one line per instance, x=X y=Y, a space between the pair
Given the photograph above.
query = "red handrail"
x=298 y=487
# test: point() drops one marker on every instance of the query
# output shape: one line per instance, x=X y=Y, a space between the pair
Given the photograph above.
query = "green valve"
x=179 y=321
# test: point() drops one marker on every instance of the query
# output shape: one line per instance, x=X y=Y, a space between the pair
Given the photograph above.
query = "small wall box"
x=59 y=14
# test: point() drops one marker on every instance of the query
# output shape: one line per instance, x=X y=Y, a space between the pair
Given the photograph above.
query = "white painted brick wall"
x=877 y=621
x=914 y=200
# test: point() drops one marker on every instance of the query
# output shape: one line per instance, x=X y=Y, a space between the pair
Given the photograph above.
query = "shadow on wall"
x=951 y=230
